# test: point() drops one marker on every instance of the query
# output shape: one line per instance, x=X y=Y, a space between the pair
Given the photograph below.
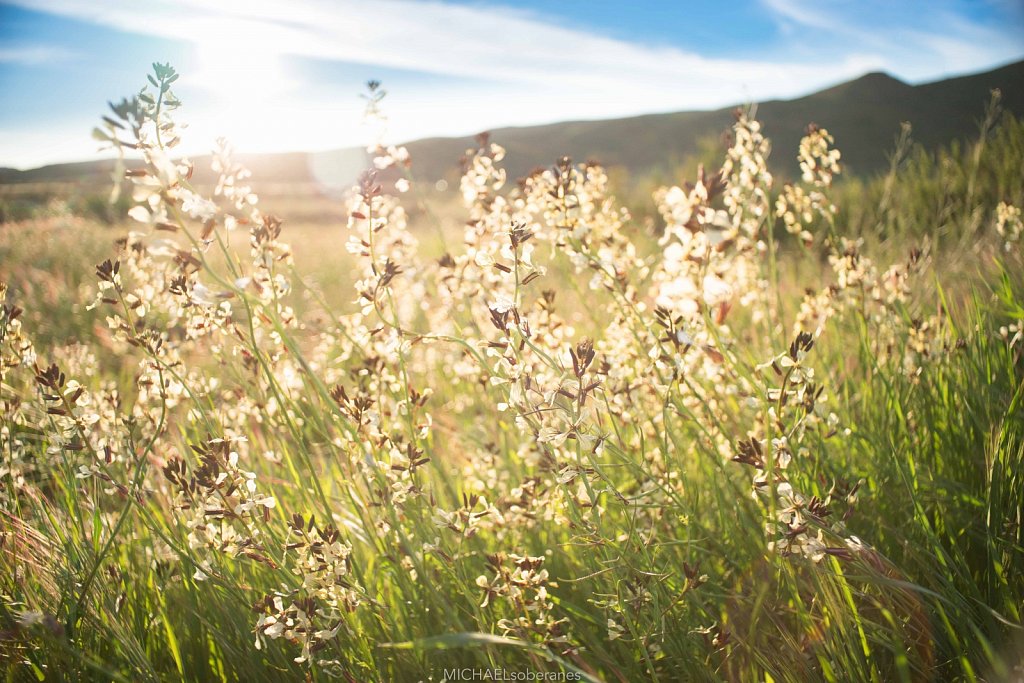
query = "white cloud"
x=917 y=41
x=498 y=66
x=32 y=55
x=467 y=41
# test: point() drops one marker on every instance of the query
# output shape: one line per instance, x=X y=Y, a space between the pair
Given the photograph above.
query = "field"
x=740 y=430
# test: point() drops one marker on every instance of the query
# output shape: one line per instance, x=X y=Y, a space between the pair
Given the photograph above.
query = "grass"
x=527 y=433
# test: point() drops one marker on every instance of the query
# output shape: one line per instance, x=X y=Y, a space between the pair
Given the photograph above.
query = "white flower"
x=716 y=290
x=202 y=295
x=162 y=248
x=140 y=213
x=166 y=170
x=197 y=207
x=683 y=338
x=614 y=630
x=552 y=435
x=502 y=304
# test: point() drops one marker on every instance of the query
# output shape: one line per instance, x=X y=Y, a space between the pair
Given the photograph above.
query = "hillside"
x=864 y=115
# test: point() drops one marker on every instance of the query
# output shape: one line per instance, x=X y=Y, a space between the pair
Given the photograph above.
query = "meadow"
x=738 y=428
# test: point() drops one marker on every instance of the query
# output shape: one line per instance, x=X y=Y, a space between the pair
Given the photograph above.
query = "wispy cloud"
x=917 y=40
x=495 y=65
x=493 y=43
x=511 y=46
x=31 y=55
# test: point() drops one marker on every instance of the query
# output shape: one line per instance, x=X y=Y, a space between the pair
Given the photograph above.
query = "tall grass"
x=746 y=448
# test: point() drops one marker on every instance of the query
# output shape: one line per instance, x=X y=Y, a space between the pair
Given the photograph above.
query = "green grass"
x=915 y=447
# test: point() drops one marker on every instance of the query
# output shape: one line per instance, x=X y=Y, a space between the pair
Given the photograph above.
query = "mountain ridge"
x=863 y=114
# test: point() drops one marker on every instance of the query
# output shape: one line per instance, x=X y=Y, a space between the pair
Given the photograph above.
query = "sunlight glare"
x=235 y=69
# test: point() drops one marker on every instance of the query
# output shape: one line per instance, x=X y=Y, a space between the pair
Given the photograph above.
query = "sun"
x=246 y=89
x=233 y=70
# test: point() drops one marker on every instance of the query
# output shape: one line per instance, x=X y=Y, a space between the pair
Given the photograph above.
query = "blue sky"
x=275 y=75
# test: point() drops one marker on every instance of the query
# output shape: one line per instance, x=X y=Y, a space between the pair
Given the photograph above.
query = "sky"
x=276 y=75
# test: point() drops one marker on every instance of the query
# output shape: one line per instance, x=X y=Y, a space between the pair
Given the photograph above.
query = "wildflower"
x=818 y=163
x=1009 y=225
x=615 y=631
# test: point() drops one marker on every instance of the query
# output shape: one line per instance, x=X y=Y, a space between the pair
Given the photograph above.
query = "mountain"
x=863 y=115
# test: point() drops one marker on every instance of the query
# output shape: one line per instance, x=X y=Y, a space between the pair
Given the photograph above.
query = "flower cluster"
x=221 y=505
x=522 y=584
x=799 y=524
x=800 y=208
x=1009 y=225
x=312 y=613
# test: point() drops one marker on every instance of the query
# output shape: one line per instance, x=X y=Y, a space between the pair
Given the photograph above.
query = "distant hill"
x=864 y=115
